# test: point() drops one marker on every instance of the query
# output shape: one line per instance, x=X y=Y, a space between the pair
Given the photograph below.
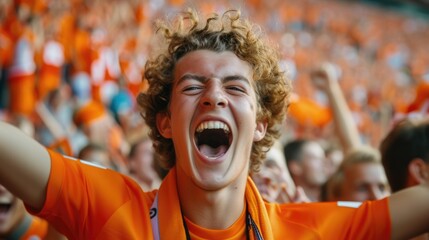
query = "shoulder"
x=336 y=220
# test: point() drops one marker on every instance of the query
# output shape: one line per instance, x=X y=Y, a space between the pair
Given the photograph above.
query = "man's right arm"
x=25 y=166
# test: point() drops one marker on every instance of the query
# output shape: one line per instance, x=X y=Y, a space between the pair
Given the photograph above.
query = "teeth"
x=212 y=125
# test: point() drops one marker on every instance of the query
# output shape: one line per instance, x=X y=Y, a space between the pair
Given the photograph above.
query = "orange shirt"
x=88 y=202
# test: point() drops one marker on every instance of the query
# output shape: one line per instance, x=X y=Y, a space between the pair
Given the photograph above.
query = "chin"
x=212 y=181
x=209 y=183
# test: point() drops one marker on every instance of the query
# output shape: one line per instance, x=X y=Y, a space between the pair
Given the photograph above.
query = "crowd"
x=72 y=71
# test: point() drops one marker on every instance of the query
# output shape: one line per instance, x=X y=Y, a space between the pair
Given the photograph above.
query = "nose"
x=214 y=96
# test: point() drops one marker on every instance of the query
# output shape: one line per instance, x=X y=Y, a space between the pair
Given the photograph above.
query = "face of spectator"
x=313 y=164
x=141 y=164
x=333 y=161
x=12 y=211
x=267 y=183
x=271 y=175
x=97 y=156
x=364 y=181
x=98 y=130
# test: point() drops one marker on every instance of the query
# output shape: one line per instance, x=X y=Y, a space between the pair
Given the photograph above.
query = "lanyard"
x=250 y=223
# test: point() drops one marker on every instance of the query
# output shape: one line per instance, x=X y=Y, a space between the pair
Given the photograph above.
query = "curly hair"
x=229 y=32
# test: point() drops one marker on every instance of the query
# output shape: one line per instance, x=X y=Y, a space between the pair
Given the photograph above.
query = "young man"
x=215 y=99
x=360 y=177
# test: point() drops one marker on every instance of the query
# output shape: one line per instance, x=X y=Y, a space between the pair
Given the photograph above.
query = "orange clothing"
x=22 y=94
x=422 y=96
x=6 y=48
x=89 y=112
x=50 y=70
x=87 y=202
x=83 y=54
x=49 y=80
x=309 y=113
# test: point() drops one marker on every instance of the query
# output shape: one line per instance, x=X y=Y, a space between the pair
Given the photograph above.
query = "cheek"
x=182 y=110
x=247 y=109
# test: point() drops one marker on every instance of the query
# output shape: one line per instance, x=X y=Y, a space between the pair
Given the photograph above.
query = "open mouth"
x=4 y=208
x=213 y=138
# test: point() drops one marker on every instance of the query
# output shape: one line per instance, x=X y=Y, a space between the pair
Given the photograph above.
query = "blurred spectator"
x=100 y=128
x=307 y=165
x=274 y=181
x=142 y=165
x=360 y=178
x=405 y=155
x=96 y=154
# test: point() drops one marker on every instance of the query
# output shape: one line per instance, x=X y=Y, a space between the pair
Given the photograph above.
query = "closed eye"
x=236 y=88
x=192 y=89
x=236 y=84
x=382 y=187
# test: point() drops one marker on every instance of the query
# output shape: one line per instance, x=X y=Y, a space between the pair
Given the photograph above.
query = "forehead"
x=275 y=157
x=212 y=64
x=366 y=171
x=313 y=149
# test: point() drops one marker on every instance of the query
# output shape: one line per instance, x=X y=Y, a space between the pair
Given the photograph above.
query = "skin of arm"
x=25 y=166
x=409 y=212
x=325 y=78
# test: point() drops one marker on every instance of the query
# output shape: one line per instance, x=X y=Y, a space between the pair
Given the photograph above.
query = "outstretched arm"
x=25 y=166
x=325 y=78
x=409 y=212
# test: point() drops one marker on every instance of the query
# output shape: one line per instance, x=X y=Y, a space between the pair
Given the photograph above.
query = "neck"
x=212 y=209
x=149 y=185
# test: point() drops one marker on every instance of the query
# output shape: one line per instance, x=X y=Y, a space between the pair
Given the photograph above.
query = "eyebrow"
x=189 y=76
x=204 y=79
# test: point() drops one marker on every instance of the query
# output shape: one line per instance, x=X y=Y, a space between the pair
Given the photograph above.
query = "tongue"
x=212 y=152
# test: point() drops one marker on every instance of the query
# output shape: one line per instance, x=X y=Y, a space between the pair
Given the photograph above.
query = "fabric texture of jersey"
x=89 y=202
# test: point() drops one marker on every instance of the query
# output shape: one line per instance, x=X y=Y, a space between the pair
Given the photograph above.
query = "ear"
x=163 y=124
x=417 y=170
x=260 y=130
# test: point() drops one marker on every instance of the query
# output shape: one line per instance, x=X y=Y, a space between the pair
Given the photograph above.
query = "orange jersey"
x=89 y=202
